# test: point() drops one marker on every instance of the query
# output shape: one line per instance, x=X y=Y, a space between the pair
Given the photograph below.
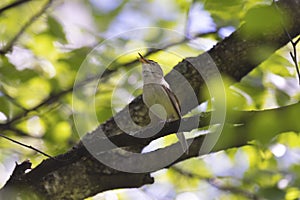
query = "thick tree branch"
x=232 y=136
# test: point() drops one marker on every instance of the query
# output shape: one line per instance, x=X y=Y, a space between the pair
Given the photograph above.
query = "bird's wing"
x=174 y=100
x=176 y=105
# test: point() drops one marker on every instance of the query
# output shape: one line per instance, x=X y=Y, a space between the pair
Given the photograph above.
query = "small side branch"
x=27 y=146
x=13 y=5
x=215 y=182
x=294 y=44
x=294 y=56
x=8 y=47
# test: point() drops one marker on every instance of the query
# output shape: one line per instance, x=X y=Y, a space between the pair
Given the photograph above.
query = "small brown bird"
x=158 y=96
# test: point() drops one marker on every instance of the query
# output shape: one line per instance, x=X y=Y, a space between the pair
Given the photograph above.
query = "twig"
x=215 y=183
x=9 y=45
x=13 y=5
x=294 y=44
x=151 y=51
x=294 y=56
x=27 y=146
x=12 y=100
x=47 y=101
x=297 y=41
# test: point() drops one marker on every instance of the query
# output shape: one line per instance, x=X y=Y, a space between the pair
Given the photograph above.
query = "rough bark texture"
x=76 y=174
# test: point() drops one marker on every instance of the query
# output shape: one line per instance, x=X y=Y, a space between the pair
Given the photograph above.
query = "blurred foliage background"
x=44 y=44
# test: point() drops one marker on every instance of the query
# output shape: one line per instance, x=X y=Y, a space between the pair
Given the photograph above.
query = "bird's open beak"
x=142 y=59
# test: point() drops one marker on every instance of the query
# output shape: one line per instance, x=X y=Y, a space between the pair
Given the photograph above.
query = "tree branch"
x=8 y=47
x=294 y=44
x=215 y=182
x=232 y=137
x=25 y=145
x=13 y=5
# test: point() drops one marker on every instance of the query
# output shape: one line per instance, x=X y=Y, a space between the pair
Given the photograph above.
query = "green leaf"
x=272 y=193
x=225 y=13
x=263 y=19
x=5 y=108
x=10 y=75
x=76 y=57
x=282 y=97
x=55 y=29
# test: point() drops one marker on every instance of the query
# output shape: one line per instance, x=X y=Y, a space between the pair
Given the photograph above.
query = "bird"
x=158 y=96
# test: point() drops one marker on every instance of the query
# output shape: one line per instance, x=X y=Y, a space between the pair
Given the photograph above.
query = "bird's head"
x=150 y=67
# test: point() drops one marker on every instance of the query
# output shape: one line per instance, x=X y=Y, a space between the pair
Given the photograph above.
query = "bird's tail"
x=183 y=142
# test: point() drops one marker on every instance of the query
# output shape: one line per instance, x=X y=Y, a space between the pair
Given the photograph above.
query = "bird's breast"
x=154 y=93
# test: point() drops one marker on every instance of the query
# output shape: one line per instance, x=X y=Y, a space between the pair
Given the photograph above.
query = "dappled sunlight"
x=75 y=120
